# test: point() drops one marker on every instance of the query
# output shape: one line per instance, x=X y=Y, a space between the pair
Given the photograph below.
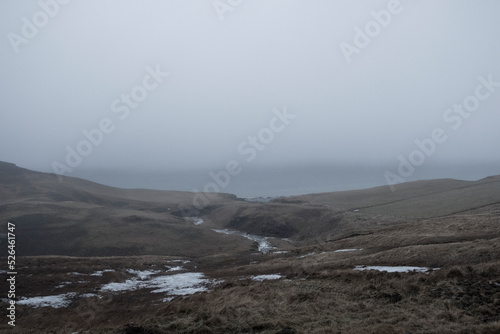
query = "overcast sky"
x=230 y=64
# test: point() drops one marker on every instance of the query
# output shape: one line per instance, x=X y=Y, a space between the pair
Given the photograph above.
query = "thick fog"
x=189 y=84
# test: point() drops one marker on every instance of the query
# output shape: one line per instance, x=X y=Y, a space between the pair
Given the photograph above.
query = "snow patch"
x=128 y=285
x=180 y=284
x=100 y=272
x=62 y=285
x=176 y=285
x=262 y=278
x=395 y=269
x=303 y=256
x=57 y=301
x=145 y=274
x=264 y=245
x=180 y=261
x=178 y=268
x=348 y=250
x=173 y=285
x=195 y=220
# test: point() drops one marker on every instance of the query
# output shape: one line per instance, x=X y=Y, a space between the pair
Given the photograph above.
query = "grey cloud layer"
x=225 y=77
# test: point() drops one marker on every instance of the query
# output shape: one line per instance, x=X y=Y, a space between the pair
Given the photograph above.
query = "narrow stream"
x=264 y=245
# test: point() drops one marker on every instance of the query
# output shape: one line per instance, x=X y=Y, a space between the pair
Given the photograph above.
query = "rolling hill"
x=97 y=259
x=70 y=216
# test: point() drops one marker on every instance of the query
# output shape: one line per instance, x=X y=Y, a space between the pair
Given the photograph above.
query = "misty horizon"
x=274 y=181
x=193 y=86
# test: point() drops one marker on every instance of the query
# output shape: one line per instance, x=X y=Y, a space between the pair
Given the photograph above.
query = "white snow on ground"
x=348 y=250
x=178 y=268
x=128 y=285
x=177 y=285
x=173 y=285
x=262 y=278
x=264 y=245
x=62 y=285
x=336 y=251
x=180 y=284
x=196 y=220
x=57 y=301
x=303 y=256
x=100 y=272
x=397 y=269
x=281 y=252
x=180 y=261
x=142 y=274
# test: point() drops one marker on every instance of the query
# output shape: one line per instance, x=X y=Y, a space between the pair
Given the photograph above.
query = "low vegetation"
x=312 y=287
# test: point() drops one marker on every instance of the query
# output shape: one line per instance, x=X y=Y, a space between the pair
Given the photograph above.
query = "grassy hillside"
x=420 y=199
x=75 y=238
x=318 y=292
x=70 y=216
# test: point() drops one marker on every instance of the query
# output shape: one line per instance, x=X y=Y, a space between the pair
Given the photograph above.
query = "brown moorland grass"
x=456 y=300
x=450 y=301
x=319 y=293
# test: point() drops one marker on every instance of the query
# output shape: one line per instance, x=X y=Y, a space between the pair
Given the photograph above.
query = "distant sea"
x=285 y=181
